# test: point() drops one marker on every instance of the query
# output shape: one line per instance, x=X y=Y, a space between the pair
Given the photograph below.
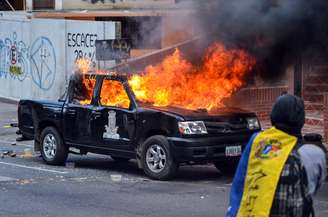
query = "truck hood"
x=222 y=114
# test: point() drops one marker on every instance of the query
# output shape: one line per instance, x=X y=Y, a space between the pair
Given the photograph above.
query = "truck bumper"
x=206 y=149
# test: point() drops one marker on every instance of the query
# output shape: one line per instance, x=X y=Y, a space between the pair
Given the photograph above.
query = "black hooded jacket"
x=288 y=114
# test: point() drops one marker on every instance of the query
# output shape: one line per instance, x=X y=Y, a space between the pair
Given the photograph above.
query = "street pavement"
x=95 y=185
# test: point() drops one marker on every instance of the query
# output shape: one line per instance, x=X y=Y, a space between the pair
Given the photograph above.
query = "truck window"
x=113 y=94
x=83 y=90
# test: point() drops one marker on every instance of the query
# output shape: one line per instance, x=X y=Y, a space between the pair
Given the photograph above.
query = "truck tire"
x=157 y=159
x=226 y=168
x=53 y=149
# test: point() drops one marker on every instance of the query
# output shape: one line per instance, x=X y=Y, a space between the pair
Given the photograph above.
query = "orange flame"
x=83 y=65
x=177 y=82
x=88 y=85
x=113 y=94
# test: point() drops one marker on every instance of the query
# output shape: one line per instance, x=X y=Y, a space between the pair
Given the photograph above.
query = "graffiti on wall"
x=43 y=63
x=17 y=60
x=83 y=45
x=13 y=58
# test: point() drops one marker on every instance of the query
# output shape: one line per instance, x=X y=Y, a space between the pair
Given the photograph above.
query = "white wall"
x=29 y=5
x=37 y=56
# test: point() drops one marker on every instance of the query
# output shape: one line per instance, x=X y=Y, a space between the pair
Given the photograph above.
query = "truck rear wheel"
x=53 y=149
x=157 y=159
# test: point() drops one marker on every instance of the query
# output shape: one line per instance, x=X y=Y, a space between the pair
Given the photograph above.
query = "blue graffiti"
x=13 y=55
x=43 y=63
x=17 y=60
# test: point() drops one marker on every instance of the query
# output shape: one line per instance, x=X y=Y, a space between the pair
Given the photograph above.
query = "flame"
x=88 y=85
x=83 y=65
x=177 y=82
x=114 y=94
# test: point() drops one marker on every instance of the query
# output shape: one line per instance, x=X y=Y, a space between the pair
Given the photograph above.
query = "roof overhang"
x=110 y=13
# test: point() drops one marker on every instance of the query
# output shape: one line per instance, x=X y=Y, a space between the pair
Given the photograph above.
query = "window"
x=83 y=90
x=144 y=32
x=11 y=4
x=43 y=4
x=114 y=94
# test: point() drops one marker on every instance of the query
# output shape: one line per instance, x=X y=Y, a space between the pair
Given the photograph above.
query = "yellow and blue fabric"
x=258 y=173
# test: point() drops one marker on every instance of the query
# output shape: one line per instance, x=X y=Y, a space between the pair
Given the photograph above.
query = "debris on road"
x=80 y=179
x=14 y=125
x=116 y=178
x=24 y=181
x=12 y=154
x=27 y=153
x=9 y=153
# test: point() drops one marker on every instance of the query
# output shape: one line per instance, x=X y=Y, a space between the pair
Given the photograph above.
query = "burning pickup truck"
x=160 y=138
x=108 y=114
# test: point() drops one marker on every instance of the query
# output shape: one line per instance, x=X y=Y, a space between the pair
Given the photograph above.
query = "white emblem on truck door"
x=111 y=128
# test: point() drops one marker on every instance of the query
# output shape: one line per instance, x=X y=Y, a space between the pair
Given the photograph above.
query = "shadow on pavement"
x=186 y=173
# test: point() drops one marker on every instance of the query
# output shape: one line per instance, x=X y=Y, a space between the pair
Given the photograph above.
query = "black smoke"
x=276 y=32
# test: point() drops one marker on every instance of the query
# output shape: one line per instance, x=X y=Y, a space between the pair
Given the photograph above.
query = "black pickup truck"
x=100 y=114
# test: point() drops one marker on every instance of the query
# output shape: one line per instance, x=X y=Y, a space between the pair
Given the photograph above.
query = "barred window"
x=12 y=4
x=43 y=4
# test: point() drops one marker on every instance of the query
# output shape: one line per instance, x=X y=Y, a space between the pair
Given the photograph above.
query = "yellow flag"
x=268 y=155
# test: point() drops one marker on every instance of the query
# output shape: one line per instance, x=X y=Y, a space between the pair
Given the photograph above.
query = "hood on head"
x=288 y=114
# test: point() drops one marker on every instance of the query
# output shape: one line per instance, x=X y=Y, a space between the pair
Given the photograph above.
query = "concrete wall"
x=37 y=56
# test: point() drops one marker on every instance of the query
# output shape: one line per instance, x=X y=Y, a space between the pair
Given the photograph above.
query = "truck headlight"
x=192 y=127
x=253 y=123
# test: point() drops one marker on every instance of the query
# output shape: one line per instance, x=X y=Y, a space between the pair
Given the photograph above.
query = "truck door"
x=113 y=123
x=77 y=112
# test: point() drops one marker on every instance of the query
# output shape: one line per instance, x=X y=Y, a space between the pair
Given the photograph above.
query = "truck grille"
x=225 y=127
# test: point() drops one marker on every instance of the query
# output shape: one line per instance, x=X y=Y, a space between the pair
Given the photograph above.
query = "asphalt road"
x=95 y=185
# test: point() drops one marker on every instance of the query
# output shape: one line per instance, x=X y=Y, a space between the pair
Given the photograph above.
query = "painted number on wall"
x=82 y=42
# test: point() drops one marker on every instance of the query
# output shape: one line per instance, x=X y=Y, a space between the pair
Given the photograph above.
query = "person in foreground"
x=278 y=174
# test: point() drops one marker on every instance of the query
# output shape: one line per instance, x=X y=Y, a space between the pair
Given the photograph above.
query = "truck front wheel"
x=53 y=149
x=157 y=159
